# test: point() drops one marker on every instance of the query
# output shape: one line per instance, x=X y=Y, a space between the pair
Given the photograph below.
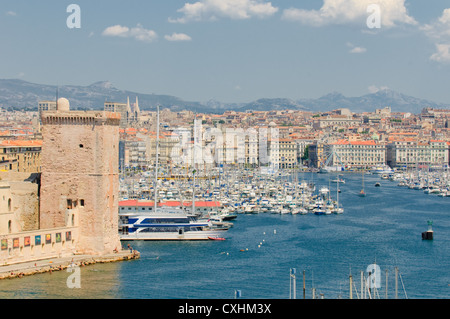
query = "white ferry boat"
x=166 y=225
x=381 y=169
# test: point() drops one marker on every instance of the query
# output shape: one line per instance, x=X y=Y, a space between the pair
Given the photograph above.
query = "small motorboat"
x=216 y=238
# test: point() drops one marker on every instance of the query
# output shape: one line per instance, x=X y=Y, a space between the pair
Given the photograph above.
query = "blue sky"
x=232 y=50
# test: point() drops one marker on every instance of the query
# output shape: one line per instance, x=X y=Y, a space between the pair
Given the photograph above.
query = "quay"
x=49 y=265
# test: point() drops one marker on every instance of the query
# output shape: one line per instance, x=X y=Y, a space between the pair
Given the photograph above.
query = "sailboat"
x=337 y=209
x=362 y=193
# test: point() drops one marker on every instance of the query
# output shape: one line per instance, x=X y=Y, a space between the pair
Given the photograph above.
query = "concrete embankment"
x=55 y=264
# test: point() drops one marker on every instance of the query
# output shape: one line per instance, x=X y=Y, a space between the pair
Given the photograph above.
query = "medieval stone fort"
x=71 y=207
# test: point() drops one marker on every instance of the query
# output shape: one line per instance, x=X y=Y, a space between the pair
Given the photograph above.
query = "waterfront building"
x=356 y=154
x=316 y=155
x=252 y=149
x=168 y=147
x=283 y=153
x=20 y=155
x=410 y=153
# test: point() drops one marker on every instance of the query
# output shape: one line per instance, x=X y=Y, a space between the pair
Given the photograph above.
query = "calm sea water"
x=384 y=228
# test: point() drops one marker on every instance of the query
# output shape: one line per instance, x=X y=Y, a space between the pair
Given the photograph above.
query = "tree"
x=306 y=153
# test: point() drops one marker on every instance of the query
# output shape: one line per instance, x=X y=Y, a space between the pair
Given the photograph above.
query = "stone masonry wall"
x=80 y=170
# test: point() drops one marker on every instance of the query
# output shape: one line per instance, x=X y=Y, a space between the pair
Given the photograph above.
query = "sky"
x=231 y=50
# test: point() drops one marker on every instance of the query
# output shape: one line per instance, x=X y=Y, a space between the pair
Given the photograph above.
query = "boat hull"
x=163 y=236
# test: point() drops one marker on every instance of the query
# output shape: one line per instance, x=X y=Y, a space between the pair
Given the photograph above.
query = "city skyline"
x=232 y=50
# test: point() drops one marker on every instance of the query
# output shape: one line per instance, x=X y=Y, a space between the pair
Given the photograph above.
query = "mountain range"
x=20 y=94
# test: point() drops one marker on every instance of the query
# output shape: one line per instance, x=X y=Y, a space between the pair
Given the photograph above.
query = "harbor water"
x=383 y=228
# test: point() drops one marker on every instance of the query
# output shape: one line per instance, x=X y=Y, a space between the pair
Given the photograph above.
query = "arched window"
x=9 y=204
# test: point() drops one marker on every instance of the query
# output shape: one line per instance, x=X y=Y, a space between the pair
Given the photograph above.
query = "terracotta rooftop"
x=30 y=143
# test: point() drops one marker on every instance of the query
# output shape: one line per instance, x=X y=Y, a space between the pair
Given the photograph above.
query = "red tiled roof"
x=30 y=143
x=346 y=142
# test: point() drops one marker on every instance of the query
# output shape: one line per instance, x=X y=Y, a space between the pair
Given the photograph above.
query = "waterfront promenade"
x=55 y=264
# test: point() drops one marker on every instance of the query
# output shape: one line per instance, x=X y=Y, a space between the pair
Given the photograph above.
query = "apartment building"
x=20 y=155
x=411 y=153
x=337 y=121
x=282 y=153
x=46 y=106
x=356 y=154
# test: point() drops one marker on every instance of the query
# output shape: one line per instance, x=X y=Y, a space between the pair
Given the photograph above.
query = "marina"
x=226 y=156
x=383 y=228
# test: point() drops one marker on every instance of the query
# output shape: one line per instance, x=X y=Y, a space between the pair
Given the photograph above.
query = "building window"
x=82 y=202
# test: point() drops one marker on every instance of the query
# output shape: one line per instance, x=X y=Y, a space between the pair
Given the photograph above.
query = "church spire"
x=136 y=107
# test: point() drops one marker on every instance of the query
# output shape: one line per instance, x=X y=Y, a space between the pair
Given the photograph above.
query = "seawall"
x=56 y=264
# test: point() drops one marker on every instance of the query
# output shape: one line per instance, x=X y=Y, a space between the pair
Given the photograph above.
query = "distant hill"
x=368 y=103
x=20 y=94
x=273 y=104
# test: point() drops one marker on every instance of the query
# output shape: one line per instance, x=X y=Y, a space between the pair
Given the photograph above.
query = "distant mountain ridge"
x=21 y=94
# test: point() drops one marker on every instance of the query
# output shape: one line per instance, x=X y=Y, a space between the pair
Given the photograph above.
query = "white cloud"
x=439 y=32
x=355 y=49
x=439 y=28
x=178 y=37
x=443 y=53
x=116 y=31
x=210 y=10
x=138 y=32
x=11 y=13
x=358 y=50
x=351 y=11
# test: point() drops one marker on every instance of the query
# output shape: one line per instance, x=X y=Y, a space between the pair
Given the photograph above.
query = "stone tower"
x=80 y=176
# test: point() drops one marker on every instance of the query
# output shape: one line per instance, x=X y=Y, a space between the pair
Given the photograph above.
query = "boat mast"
x=193 y=164
x=156 y=161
